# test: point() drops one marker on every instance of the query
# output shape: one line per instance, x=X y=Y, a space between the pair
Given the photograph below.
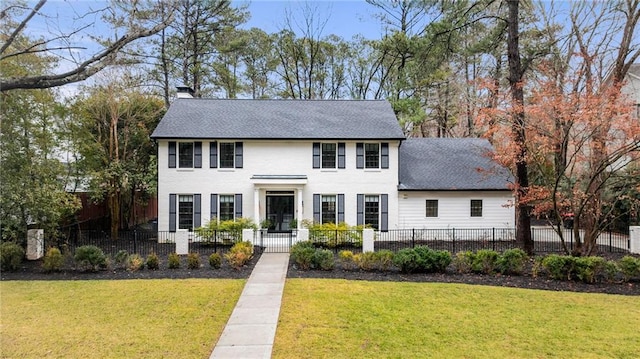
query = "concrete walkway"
x=251 y=330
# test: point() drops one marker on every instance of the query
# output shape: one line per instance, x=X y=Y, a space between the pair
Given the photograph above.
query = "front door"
x=280 y=210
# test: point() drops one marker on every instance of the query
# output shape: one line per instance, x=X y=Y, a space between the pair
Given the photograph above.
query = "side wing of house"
x=452 y=183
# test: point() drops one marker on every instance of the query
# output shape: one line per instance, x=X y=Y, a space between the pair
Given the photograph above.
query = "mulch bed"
x=32 y=270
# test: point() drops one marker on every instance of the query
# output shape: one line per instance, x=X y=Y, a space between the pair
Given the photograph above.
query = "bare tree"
x=137 y=20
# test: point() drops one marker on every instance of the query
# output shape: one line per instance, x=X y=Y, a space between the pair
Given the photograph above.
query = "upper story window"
x=329 y=155
x=476 y=208
x=185 y=154
x=372 y=210
x=372 y=155
x=225 y=154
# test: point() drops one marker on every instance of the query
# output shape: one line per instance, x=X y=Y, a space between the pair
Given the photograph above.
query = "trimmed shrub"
x=323 y=259
x=302 y=254
x=559 y=267
x=193 y=260
x=511 y=261
x=121 y=258
x=347 y=259
x=629 y=267
x=153 y=262
x=595 y=269
x=239 y=254
x=173 y=262
x=385 y=259
x=485 y=261
x=215 y=261
x=11 y=255
x=441 y=260
x=366 y=261
x=407 y=259
x=331 y=235
x=135 y=263
x=53 y=260
x=90 y=258
x=463 y=261
x=227 y=231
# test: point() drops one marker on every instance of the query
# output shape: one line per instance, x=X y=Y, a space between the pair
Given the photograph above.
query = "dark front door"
x=280 y=210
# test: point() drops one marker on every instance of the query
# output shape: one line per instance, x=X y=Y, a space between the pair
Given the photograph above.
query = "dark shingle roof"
x=445 y=164
x=279 y=119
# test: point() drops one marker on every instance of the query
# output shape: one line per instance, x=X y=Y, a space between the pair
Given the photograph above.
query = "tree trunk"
x=523 y=219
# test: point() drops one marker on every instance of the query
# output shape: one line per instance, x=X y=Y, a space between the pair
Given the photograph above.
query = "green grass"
x=114 y=319
x=347 y=319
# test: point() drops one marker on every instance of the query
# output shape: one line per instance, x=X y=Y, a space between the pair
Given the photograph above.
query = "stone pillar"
x=634 y=239
x=182 y=242
x=367 y=240
x=35 y=244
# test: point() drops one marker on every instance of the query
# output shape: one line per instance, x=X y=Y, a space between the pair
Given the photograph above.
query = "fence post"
x=634 y=239
x=248 y=235
x=413 y=237
x=610 y=242
x=367 y=240
x=182 y=242
x=135 y=241
x=493 y=238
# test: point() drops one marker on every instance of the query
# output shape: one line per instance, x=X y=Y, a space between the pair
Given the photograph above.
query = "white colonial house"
x=324 y=160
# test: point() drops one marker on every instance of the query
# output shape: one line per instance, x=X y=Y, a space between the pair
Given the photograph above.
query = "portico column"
x=256 y=205
x=299 y=208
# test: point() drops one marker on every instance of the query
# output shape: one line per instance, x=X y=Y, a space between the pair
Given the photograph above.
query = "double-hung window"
x=372 y=210
x=185 y=212
x=328 y=155
x=227 y=154
x=432 y=208
x=329 y=209
x=185 y=154
x=371 y=155
x=476 y=208
x=226 y=207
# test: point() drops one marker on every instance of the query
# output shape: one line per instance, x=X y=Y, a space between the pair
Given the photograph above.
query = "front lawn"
x=328 y=318
x=116 y=319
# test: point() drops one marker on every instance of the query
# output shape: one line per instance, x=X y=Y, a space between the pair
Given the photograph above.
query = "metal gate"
x=276 y=242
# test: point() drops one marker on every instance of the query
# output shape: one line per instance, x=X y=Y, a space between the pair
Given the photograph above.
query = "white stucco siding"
x=454 y=209
x=276 y=158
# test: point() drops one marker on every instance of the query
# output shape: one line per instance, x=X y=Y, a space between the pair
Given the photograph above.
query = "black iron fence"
x=545 y=239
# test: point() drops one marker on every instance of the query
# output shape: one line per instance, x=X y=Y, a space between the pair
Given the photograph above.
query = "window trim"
x=179 y=211
x=233 y=206
x=180 y=154
x=335 y=155
x=232 y=155
x=335 y=208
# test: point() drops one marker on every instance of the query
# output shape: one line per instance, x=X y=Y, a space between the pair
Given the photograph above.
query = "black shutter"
x=359 y=155
x=341 y=155
x=384 y=155
x=238 y=205
x=197 y=154
x=197 y=211
x=316 y=155
x=213 y=154
x=316 y=208
x=214 y=207
x=172 y=212
x=384 y=212
x=360 y=208
x=239 y=163
x=340 y=208
x=172 y=154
